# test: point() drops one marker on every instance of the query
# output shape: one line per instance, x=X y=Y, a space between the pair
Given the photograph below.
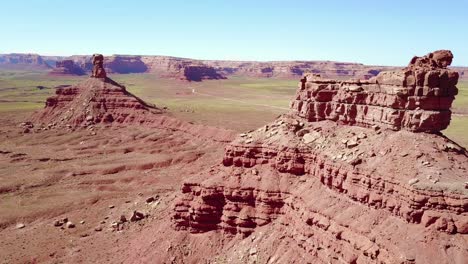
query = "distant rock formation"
x=98 y=66
x=101 y=101
x=347 y=193
x=417 y=98
x=173 y=67
x=22 y=61
x=198 y=73
x=67 y=67
x=124 y=64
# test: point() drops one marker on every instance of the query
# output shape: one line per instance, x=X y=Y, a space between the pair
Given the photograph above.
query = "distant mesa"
x=125 y=64
x=22 y=61
x=198 y=73
x=174 y=68
x=67 y=67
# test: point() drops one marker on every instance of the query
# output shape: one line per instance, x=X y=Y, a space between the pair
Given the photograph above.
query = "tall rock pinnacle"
x=98 y=67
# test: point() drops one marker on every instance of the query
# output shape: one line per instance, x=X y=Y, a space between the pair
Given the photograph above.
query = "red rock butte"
x=417 y=98
x=343 y=177
x=101 y=101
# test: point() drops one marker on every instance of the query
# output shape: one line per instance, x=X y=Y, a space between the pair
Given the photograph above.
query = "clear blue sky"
x=371 y=32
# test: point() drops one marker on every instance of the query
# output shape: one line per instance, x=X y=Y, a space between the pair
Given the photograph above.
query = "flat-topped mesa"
x=417 y=98
x=98 y=66
x=67 y=67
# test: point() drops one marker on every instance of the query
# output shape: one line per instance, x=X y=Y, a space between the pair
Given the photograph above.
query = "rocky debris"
x=152 y=199
x=20 y=226
x=58 y=223
x=417 y=98
x=61 y=222
x=413 y=181
x=137 y=216
x=98 y=229
x=454 y=148
x=98 y=66
x=70 y=225
x=351 y=143
x=123 y=219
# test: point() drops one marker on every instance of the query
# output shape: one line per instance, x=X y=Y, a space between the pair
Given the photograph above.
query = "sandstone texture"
x=417 y=98
x=339 y=183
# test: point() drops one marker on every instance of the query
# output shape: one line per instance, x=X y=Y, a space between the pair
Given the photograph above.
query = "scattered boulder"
x=137 y=216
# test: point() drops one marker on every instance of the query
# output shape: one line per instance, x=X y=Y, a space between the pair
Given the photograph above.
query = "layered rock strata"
x=417 y=98
x=336 y=190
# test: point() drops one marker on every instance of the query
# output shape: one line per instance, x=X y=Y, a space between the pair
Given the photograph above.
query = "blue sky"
x=370 y=32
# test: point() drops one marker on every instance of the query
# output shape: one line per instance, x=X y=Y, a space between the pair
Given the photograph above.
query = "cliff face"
x=173 y=67
x=347 y=179
x=67 y=67
x=417 y=98
x=17 y=61
x=125 y=64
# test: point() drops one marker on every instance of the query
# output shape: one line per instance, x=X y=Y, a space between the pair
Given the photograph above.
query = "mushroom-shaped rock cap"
x=442 y=58
x=437 y=59
x=97 y=58
x=98 y=66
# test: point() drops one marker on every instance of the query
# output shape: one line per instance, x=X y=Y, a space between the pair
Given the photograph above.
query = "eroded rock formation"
x=417 y=98
x=101 y=101
x=370 y=191
x=98 y=66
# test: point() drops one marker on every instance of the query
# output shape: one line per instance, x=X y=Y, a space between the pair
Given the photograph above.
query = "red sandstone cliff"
x=343 y=178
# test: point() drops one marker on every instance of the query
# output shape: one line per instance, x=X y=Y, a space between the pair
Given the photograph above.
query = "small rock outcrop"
x=98 y=66
x=417 y=98
x=343 y=176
